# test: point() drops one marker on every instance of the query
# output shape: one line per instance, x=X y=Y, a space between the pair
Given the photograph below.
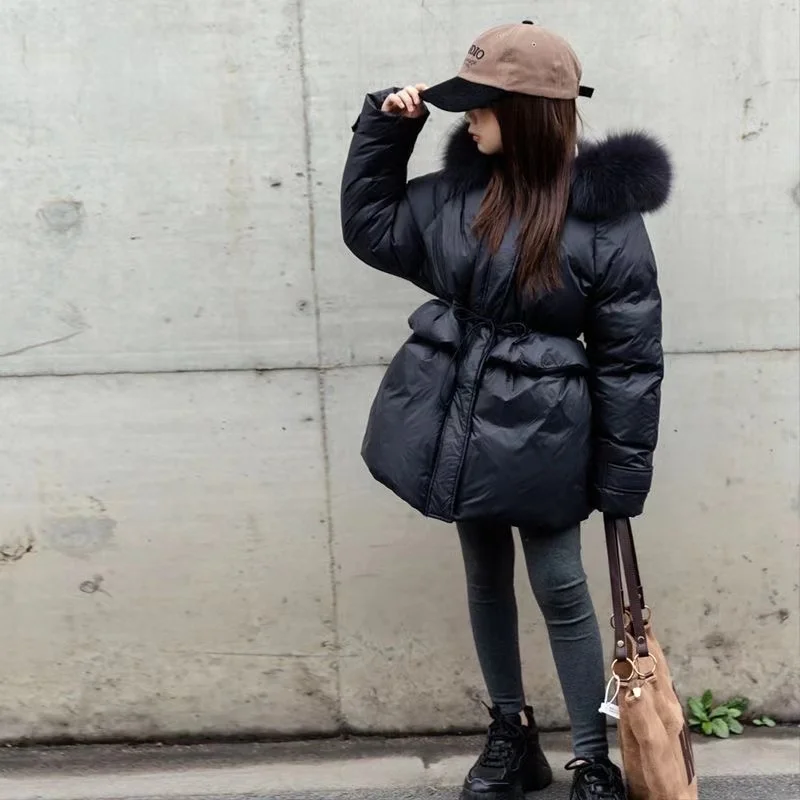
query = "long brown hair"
x=531 y=182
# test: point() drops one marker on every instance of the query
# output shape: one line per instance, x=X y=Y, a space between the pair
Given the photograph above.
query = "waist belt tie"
x=474 y=323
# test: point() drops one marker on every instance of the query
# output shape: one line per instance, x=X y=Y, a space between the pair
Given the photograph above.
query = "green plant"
x=716 y=720
x=742 y=703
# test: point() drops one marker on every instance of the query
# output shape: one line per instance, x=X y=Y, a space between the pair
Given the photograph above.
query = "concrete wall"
x=189 y=544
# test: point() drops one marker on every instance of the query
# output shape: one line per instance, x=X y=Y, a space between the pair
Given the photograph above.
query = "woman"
x=494 y=413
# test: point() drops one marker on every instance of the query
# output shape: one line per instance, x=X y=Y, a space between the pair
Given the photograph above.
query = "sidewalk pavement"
x=752 y=767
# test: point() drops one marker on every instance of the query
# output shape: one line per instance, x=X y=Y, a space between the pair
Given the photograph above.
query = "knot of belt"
x=474 y=322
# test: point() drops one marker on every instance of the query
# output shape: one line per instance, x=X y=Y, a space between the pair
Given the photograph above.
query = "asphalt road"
x=747 y=788
x=756 y=766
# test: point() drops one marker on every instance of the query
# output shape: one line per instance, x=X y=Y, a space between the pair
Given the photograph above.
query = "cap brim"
x=459 y=94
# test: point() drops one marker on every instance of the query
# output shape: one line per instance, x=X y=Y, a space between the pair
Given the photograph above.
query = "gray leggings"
x=559 y=584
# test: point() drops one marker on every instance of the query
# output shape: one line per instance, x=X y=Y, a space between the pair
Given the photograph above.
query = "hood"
x=623 y=173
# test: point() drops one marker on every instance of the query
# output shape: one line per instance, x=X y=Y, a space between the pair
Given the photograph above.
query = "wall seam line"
x=323 y=368
x=324 y=433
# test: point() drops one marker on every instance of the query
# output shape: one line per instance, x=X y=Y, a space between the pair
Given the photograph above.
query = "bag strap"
x=627 y=533
x=617 y=594
x=621 y=548
x=634 y=582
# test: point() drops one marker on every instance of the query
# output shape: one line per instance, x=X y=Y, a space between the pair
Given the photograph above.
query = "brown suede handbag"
x=653 y=734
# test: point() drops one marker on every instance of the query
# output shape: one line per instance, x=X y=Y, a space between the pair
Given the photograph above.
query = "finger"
x=405 y=98
x=393 y=103
x=421 y=87
x=413 y=96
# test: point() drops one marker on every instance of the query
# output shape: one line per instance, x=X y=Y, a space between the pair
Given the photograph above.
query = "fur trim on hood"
x=624 y=173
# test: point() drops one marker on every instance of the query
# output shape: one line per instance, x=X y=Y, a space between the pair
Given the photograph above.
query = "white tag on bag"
x=609 y=707
x=610 y=710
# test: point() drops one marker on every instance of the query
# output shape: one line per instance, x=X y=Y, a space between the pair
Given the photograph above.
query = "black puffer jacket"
x=493 y=408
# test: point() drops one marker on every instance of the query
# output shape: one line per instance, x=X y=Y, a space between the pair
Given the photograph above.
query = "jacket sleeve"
x=383 y=216
x=623 y=337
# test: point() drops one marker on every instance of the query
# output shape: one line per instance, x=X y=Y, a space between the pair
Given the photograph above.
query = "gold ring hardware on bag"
x=645 y=675
x=619 y=677
x=626 y=621
x=647 y=616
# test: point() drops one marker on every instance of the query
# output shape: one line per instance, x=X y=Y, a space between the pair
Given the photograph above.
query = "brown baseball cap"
x=512 y=59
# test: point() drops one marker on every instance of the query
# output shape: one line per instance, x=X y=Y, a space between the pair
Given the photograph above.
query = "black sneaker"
x=536 y=771
x=596 y=779
x=511 y=763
